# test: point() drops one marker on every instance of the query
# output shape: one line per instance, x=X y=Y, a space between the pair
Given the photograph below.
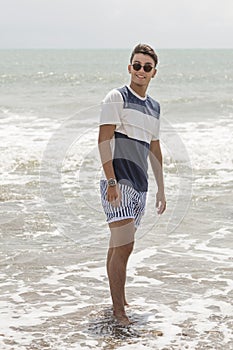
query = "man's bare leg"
x=121 y=246
x=109 y=256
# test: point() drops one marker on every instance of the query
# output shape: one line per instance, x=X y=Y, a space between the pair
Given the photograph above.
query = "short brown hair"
x=146 y=50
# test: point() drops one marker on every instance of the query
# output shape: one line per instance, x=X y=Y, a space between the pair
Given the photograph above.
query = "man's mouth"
x=140 y=76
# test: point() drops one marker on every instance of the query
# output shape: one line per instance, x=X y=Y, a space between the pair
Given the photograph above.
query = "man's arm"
x=106 y=133
x=156 y=161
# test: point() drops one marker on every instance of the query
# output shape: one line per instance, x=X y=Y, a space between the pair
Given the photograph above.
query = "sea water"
x=54 y=238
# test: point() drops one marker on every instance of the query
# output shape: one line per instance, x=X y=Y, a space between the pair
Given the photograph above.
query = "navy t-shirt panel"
x=130 y=162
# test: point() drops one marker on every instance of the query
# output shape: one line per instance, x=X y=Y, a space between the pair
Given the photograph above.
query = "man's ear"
x=129 y=68
x=154 y=74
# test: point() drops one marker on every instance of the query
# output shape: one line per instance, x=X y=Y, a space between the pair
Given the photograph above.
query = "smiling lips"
x=140 y=76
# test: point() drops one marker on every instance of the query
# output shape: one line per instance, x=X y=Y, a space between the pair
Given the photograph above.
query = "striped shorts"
x=132 y=204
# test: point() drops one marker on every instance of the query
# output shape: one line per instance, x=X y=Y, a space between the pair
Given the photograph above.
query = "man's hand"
x=160 y=203
x=114 y=195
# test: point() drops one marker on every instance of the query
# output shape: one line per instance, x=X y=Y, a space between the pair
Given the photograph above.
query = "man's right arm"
x=106 y=133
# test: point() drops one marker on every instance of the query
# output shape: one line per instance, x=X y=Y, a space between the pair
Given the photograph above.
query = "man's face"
x=141 y=77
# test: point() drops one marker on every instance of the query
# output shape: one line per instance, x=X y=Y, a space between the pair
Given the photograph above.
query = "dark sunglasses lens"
x=137 y=66
x=147 y=68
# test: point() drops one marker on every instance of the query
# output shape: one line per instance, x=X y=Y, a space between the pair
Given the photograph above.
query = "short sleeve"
x=156 y=128
x=111 y=108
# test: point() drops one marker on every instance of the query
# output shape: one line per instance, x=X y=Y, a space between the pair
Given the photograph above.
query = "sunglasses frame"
x=139 y=65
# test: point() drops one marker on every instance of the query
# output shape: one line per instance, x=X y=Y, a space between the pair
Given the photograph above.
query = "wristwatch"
x=112 y=182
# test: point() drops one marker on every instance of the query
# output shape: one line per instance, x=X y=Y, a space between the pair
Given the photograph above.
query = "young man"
x=128 y=134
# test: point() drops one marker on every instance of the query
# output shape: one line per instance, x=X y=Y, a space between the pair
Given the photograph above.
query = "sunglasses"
x=147 y=67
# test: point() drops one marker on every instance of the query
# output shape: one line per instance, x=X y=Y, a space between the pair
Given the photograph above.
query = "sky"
x=116 y=23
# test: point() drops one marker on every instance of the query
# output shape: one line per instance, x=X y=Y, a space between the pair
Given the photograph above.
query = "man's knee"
x=122 y=233
x=124 y=251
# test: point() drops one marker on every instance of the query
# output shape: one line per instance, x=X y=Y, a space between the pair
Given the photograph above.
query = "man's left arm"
x=156 y=161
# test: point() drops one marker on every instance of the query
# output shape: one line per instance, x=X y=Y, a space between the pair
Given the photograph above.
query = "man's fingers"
x=160 y=205
x=114 y=200
x=161 y=208
x=115 y=203
x=114 y=196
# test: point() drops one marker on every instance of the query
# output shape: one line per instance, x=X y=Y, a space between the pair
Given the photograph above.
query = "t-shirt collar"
x=135 y=94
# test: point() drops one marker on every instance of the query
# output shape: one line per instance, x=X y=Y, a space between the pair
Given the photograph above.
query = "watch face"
x=111 y=182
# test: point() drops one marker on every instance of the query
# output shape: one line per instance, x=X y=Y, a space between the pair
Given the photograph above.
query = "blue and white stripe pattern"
x=132 y=204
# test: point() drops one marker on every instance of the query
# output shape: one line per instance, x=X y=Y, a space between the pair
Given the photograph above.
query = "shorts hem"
x=120 y=218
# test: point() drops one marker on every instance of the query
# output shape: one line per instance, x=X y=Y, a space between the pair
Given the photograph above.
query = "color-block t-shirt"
x=137 y=123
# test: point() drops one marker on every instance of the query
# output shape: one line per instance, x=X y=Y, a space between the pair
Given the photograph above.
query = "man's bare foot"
x=122 y=319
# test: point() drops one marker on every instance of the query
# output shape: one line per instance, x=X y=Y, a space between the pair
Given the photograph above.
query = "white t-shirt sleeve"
x=156 y=129
x=111 y=108
x=156 y=132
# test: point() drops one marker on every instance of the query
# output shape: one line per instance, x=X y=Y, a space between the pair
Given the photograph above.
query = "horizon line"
x=113 y=48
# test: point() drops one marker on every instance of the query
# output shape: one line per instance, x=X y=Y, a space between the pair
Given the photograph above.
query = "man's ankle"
x=119 y=311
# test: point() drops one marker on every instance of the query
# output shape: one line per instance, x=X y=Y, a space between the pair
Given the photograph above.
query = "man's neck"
x=140 y=90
